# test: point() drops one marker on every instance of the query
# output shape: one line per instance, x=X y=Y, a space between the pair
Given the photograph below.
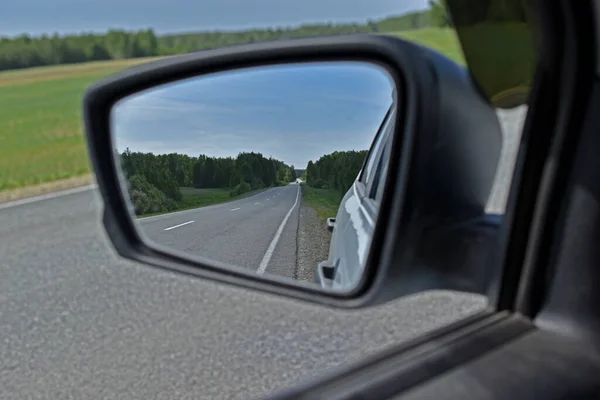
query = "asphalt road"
x=76 y=322
x=257 y=232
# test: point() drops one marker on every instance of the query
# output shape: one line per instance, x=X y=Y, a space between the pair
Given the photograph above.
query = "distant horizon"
x=75 y=17
x=290 y=26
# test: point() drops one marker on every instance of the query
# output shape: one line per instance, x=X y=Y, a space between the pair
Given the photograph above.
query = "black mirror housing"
x=443 y=160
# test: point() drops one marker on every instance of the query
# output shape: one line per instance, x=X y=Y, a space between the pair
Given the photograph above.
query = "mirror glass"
x=277 y=169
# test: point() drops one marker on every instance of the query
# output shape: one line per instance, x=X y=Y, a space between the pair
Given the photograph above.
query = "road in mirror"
x=277 y=169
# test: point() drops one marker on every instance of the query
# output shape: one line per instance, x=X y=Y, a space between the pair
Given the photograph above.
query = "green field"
x=41 y=132
x=195 y=198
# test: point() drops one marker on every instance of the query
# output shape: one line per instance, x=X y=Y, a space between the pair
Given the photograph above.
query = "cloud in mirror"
x=245 y=167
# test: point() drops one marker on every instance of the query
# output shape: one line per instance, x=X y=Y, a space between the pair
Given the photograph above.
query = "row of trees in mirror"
x=160 y=183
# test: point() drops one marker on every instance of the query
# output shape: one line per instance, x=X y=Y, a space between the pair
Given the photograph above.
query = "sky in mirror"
x=73 y=16
x=294 y=113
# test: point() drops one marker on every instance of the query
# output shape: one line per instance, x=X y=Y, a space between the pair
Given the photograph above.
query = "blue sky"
x=66 y=16
x=294 y=113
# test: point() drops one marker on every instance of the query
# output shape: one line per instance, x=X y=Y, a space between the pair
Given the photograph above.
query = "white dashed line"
x=235 y=209
x=258 y=202
x=177 y=226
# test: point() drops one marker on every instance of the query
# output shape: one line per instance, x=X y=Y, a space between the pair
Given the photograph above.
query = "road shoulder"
x=46 y=188
x=313 y=243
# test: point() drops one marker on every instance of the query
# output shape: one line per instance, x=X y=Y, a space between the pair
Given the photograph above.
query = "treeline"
x=155 y=181
x=25 y=51
x=336 y=171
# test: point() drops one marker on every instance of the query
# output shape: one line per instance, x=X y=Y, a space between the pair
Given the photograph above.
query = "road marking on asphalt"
x=268 y=199
x=258 y=202
x=177 y=226
x=194 y=210
x=235 y=209
x=269 y=253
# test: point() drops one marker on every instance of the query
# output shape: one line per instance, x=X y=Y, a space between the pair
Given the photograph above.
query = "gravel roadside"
x=312 y=244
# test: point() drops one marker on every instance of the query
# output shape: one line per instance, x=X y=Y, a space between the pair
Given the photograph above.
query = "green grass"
x=38 y=74
x=41 y=130
x=324 y=201
x=196 y=198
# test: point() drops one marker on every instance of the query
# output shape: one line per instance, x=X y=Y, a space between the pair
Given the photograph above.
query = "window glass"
x=62 y=286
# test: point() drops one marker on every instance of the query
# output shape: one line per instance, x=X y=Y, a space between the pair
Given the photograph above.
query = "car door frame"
x=363 y=190
x=368 y=199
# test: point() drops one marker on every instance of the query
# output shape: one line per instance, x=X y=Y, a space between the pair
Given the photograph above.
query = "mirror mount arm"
x=325 y=274
x=330 y=224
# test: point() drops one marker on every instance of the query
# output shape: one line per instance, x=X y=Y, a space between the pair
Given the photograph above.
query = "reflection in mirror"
x=277 y=169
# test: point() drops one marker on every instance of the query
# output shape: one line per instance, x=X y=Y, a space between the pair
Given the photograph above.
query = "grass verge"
x=41 y=127
x=45 y=188
x=324 y=201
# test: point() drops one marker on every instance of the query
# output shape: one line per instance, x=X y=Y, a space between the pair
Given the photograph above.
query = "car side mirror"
x=204 y=162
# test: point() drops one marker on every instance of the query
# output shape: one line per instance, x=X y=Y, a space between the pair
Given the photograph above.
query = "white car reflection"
x=352 y=227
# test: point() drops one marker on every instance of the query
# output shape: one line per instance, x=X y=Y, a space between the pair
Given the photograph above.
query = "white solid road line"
x=235 y=209
x=177 y=226
x=269 y=253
